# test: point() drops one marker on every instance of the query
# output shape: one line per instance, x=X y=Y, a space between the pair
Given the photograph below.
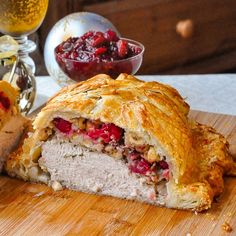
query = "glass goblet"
x=19 y=18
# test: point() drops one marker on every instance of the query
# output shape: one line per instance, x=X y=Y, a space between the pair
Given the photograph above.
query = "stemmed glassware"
x=19 y=18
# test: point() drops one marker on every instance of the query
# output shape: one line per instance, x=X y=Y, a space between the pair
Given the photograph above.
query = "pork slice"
x=10 y=135
x=78 y=168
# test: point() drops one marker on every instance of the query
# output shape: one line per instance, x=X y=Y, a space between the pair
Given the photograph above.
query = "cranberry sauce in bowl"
x=98 y=52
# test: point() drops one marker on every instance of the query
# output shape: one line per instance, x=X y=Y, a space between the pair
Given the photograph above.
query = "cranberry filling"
x=97 y=46
x=4 y=102
x=112 y=134
x=140 y=166
x=62 y=125
x=163 y=165
x=108 y=132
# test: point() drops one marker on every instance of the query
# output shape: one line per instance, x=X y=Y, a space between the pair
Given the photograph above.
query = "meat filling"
x=140 y=157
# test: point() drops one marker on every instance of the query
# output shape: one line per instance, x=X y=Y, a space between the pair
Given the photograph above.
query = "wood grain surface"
x=34 y=209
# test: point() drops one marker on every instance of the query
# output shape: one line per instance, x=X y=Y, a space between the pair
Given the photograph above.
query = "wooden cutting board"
x=34 y=209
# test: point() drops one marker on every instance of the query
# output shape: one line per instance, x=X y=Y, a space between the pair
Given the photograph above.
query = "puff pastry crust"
x=197 y=155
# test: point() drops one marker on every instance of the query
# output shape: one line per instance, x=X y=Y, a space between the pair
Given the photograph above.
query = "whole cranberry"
x=140 y=166
x=163 y=164
x=98 y=40
x=62 y=125
x=100 y=51
x=111 y=35
x=122 y=48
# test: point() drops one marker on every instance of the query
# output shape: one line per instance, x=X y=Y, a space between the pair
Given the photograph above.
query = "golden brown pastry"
x=125 y=138
x=12 y=123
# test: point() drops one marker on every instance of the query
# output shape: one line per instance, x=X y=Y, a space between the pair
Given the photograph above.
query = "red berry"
x=98 y=34
x=88 y=34
x=111 y=36
x=98 y=41
x=140 y=166
x=63 y=125
x=122 y=47
x=163 y=165
x=100 y=51
x=115 y=131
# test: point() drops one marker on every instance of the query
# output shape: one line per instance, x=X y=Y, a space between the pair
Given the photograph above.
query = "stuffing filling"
x=140 y=157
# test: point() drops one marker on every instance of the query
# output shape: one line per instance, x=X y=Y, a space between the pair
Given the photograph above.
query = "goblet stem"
x=26 y=46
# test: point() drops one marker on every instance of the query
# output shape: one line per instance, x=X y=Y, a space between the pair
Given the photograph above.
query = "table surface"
x=210 y=93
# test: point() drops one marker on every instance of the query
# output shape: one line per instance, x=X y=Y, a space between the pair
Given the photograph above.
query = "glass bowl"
x=80 y=70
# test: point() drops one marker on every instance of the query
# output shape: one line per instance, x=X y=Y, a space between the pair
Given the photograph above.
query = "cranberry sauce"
x=110 y=134
x=139 y=165
x=107 y=132
x=4 y=102
x=62 y=125
x=97 y=46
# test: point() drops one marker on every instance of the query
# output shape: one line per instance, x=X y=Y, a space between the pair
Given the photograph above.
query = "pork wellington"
x=125 y=138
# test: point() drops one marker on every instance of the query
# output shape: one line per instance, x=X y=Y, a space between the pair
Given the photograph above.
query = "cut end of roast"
x=81 y=169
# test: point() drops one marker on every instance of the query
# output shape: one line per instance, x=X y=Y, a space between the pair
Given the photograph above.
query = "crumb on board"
x=188 y=234
x=56 y=186
x=226 y=227
x=195 y=212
